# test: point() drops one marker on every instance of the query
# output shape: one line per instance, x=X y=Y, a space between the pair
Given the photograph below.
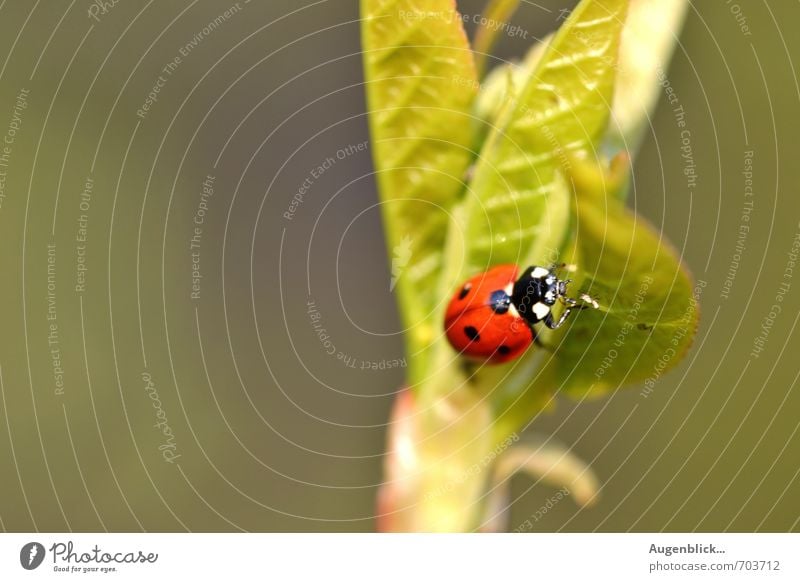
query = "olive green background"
x=274 y=433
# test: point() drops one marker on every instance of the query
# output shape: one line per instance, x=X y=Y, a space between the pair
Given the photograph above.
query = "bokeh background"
x=129 y=404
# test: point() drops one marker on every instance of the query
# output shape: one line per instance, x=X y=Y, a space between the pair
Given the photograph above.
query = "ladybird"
x=491 y=316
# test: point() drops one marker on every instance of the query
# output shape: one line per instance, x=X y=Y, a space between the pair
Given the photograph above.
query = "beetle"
x=491 y=316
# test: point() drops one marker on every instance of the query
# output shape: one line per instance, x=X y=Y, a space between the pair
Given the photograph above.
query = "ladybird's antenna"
x=585 y=302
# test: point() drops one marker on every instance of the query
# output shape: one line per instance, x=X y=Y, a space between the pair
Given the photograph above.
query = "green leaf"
x=515 y=212
x=532 y=198
x=496 y=14
x=421 y=83
x=648 y=309
x=518 y=208
x=646 y=320
x=648 y=40
x=503 y=83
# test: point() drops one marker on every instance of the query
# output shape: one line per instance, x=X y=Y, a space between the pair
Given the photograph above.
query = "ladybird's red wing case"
x=476 y=291
x=476 y=330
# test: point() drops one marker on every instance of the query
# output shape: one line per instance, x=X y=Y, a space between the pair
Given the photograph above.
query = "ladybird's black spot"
x=472 y=333
x=504 y=350
x=464 y=291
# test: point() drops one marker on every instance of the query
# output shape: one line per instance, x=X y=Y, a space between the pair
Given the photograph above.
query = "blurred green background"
x=129 y=404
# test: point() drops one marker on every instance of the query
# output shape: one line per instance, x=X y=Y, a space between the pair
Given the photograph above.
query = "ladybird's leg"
x=552 y=324
x=585 y=302
x=571 y=304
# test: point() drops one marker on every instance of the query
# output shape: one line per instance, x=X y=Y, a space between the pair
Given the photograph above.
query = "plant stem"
x=435 y=467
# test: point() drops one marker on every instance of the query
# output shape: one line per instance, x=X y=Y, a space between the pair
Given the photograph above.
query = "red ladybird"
x=491 y=316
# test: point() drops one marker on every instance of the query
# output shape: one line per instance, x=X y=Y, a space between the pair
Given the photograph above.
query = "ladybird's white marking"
x=509 y=289
x=539 y=273
x=540 y=310
x=550 y=296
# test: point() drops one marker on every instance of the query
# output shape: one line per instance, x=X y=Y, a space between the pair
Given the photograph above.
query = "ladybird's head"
x=554 y=288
